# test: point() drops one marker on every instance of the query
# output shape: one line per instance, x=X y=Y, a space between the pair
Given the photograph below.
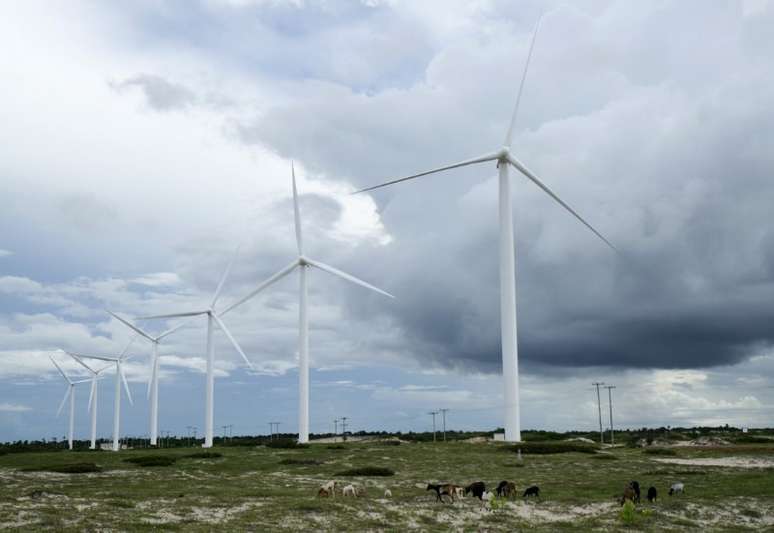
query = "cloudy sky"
x=142 y=142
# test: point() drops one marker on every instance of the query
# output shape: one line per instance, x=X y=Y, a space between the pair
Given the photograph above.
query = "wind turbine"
x=120 y=377
x=95 y=375
x=153 y=383
x=212 y=318
x=69 y=393
x=303 y=263
x=505 y=159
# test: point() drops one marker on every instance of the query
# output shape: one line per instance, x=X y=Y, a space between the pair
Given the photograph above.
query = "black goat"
x=477 y=489
x=636 y=488
x=652 y=494
x=534 y=490
x=506 y=489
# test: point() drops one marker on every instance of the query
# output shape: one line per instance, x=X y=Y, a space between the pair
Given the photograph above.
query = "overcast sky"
x=141 y=143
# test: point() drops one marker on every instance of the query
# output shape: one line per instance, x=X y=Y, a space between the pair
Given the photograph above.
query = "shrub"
x=367 y=471
x=388 y=442
x=203 y=455
x=752 y=439
x=301 y=462
x=628 y=513
x=152 y=460
x=74 y=468
x=336 y=447
x=659 y=451
x=285 y=443
x=546 y=448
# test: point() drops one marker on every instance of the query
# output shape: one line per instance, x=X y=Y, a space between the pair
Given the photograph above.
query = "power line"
x=610 y=402
x=433 y=413
x=599 y=408
x=443 y=413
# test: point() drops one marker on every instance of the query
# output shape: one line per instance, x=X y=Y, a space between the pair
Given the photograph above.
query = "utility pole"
x=335 y=428
x=194 y=435
x=224 y=433
x=188 y=434
x=344 y=427
x=443 y=413
x=610 y=402
x=599 y=408
x=271 y=429
x=433 y=413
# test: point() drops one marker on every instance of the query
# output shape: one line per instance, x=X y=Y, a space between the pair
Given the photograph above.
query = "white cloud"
x=14 y=408
x=5 y=253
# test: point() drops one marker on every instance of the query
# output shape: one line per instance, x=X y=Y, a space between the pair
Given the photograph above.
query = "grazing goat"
x=459 y=491
x=477 y=489
x=322 y=493
x=676 y=488
x=628 y=494
x=506 y=489
x=330 y=487
x=446 y=489
x=652 y=494
x=349 y=490
x=636 y=487
x=387 y=493
x=534 y=490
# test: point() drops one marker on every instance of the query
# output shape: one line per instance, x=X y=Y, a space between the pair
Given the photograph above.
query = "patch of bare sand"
x=23 y=519
x=735 y=462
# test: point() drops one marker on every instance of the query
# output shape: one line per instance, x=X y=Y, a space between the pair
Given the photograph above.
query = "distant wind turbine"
x=153 y=383
x=69 y=393
x=95 y=376
x=505 y=159
x=212 y=318
x=303 y=263
x=120 y=377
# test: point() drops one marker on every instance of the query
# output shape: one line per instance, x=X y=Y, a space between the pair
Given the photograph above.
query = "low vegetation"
x=74 y=468
x=152 y=460
x=377 y=471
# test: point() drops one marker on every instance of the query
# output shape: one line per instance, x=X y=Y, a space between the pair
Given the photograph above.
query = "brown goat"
x=628 y=494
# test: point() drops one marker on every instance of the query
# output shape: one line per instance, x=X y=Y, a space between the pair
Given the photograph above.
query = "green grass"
x=152 y=460
x=270 y=489
x=73 y=468
x=368 y=471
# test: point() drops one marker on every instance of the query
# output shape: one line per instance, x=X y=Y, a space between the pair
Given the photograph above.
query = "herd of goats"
x=505 y=489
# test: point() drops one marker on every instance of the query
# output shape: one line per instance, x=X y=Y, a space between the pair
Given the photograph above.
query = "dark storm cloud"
x=672 y=162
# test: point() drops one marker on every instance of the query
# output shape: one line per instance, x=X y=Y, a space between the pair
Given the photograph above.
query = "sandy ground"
x=737 y=462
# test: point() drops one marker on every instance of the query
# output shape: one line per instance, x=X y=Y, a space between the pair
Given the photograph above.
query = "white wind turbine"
x=212 y=318
x=120 y=377
x=93 y=394
x=69 y=393
x=153 y=383
x=505 y=159
x=303 y=263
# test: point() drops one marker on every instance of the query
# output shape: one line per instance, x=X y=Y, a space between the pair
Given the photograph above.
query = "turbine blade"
x=126 y=383
x=174 y=315
x=171 y=331
x=479 y=159
x=80 y=361
x=91 y=391
x=296 y=214
x=67 y=395
x=128 y=344
x=152 y=375
x=223 y=277
x=509 y=135
x=60 y=370
x=131 y=326
x=529 y=174
x=348 y=277
x=99 y=357
x=232 y=339
x=274 y=278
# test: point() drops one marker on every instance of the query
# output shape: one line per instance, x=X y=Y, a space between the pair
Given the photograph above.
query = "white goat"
x=387 y=493
x=676 y=488
x=330 y=488
x=349 y=490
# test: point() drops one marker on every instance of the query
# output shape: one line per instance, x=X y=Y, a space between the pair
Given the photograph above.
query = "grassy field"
x=264 y=489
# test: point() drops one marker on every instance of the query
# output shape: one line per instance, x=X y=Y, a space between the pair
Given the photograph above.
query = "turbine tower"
x=303 y=263
x=212 y=318
x=505 y=159
x=95 y=375
x=153 y=383
x=69 y=393
x=120 y=377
